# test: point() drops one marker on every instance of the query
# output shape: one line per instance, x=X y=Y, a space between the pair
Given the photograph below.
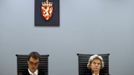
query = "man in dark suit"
x=33 y=63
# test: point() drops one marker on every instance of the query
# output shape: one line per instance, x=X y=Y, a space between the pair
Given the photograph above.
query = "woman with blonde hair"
x=95 y=64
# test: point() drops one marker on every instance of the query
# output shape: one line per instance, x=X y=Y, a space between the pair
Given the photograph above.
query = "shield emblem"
x=47 y=10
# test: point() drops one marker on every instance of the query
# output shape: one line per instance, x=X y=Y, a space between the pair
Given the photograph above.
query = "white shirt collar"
x=35 y=73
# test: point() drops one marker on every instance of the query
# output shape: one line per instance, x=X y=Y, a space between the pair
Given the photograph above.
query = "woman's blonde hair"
x=95 y=56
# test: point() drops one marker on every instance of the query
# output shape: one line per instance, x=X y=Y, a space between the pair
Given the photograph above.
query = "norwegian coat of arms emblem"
x=47 y=10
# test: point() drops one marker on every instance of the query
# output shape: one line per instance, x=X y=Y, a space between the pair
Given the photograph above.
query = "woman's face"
x=95 y=65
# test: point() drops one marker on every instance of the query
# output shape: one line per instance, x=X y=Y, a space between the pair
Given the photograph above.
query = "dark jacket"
x=25 y=72
x=88 y=72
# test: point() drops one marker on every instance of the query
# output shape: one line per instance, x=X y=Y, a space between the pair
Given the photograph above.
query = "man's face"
x=33 y=64
x=95 y=65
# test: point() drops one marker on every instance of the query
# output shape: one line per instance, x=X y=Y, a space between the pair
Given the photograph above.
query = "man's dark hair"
x=34 y=55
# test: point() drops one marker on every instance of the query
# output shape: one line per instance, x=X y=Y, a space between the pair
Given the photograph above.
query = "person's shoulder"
x=24 y=72
x=103 y=74
x=41 y=72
